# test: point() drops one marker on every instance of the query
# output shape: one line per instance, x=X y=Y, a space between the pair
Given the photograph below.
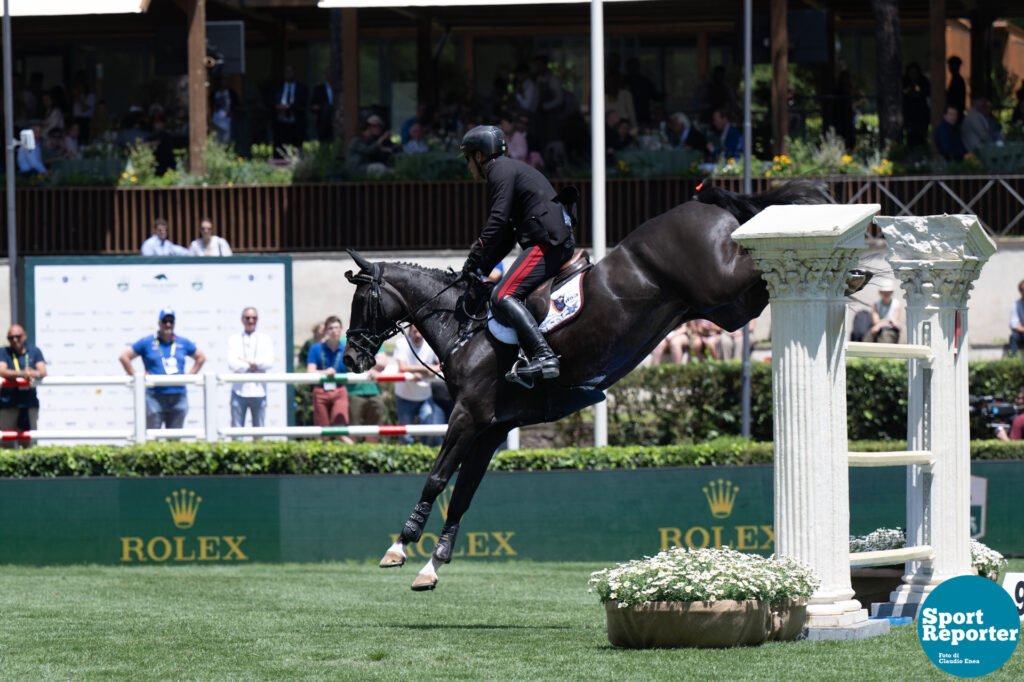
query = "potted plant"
x=874 y=584
x=703 y=598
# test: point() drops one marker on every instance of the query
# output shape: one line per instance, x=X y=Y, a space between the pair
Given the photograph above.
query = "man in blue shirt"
x=164 y=353
x=31 y=162
x=159 y=245
x=19 y=407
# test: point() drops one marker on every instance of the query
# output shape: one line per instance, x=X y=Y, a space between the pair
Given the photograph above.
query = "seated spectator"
x=55 y=150
x=704 y=340
x=885 y=315
x=1017 y=324
x=977 y=129
x=621 y=137
x=132 y=133
x=1017 y=425
x=861 y=326
x=208 y=243
x=53 y=117
x=730 y=344
x=684 y=135
x=618 y=98
x=730 y=142
x=71 y=140
x=31 y=162
x=417 y=140
x=370 y=152
x=424 y=116
x=947 y=136
x=413 y=399
x=675 y=343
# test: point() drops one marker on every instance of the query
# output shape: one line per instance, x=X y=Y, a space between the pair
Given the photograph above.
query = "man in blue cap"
x=164 y=353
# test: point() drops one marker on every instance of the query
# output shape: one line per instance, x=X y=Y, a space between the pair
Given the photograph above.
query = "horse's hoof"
x=424 y=582
x=392 y=560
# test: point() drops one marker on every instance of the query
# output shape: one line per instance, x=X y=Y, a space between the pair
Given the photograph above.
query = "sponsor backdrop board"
x=542 y=516
x=84 y=312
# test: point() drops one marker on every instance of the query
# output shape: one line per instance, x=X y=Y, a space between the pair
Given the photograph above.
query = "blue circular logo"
x=968 y=626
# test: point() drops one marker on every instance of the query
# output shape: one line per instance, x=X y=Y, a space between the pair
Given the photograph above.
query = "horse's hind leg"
x=470 y=474
x=458 y=439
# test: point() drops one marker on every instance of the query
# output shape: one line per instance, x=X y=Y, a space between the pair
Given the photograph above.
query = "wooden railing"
x=424 y=215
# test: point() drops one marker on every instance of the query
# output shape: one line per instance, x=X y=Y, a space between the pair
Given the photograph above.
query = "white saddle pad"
x=566 y=303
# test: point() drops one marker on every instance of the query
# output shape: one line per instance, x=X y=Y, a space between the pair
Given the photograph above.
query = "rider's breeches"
x=535 y=265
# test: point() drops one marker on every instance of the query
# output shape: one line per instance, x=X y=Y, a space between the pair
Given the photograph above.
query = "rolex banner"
x=541 y=516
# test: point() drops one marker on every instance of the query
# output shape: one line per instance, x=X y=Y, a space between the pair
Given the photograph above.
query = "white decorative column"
x=805 y=253
x=937 y=258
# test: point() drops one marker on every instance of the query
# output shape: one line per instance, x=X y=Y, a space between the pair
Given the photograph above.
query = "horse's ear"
x=364 y=265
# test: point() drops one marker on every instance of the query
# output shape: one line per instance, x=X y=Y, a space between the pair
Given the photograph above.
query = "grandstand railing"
x=426 y=215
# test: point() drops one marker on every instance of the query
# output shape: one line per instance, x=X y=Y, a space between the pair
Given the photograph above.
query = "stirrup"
x=527 y=376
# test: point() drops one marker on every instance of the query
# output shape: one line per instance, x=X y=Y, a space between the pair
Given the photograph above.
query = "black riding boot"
x=413 y=528
x=446 y=543
x=543 y=362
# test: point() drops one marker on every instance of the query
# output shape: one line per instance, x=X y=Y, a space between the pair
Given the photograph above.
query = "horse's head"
x=375 y=311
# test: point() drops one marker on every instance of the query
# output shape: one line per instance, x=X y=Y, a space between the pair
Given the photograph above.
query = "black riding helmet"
x=487 y=139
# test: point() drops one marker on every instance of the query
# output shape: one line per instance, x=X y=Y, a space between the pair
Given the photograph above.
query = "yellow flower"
x=847 y=158
x=785 y=159
x=133 y=178
x=775 y=159
x=768 y=174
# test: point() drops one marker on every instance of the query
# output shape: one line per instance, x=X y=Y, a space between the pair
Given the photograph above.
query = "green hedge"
x=332 y=457
x=672 y=403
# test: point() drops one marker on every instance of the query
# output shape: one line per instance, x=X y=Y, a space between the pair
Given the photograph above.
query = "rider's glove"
x=471 y=268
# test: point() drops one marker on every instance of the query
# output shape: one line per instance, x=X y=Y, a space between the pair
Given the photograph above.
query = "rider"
x=523 y=208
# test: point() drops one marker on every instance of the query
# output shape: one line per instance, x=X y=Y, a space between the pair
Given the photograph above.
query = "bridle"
x=365 y=339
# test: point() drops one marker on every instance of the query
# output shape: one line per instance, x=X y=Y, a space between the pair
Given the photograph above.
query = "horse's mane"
x=446 y=276
x=746 y=206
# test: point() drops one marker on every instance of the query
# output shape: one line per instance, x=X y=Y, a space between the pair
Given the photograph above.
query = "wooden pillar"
x=350 y=71
x=937 y=47
x=197 y=86
x=334 y=77
x=981 y=50
x=780 y=77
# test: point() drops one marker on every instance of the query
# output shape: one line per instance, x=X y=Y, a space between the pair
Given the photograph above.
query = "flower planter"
x=702 y=624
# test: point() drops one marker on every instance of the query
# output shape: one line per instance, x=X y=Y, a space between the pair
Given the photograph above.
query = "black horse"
x=678 y=266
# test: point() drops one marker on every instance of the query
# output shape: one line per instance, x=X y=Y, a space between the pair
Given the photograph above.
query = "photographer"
x=1016 y=431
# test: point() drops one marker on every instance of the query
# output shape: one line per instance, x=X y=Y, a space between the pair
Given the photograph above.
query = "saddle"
x=537 y=301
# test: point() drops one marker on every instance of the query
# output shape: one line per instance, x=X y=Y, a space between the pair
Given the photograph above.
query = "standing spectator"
x=163 y=145
x=413 y=398
x=53 y=117
x=527 y=95
x=208 y=243
x=249 y=351
x=947 y=136
x=369 y=153
x=19 y=407
x=330 y=401
x=289 y=103
x=885 y=315
x=164 y=353
x=550 y=100
x=318 y=331
x=159 y=244
x=916 y=111
x=83 y=106
x=366 y=402
x=618 y=98
x=1017 y=324
x=643 y=91
x=841 y=117
x=730 y=141
x=223 y=102
x=976 y=130
x=31 y=162
x=520 y=146
x=322 y=106
x=956 y=93
x=717 y=94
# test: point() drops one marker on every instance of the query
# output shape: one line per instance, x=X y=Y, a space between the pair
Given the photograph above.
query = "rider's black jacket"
x=522 y=209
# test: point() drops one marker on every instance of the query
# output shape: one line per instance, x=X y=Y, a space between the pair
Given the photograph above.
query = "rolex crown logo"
x=184 y=505
x=721 y=496
x=444 y=500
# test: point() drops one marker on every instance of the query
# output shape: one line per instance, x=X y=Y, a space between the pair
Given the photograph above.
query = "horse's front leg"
x=472 y=471
x=456 y=442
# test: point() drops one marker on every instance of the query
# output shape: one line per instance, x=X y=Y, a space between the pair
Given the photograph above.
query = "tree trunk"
x=890 y=67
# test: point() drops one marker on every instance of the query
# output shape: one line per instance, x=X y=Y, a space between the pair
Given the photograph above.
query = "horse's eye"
x=348 y=275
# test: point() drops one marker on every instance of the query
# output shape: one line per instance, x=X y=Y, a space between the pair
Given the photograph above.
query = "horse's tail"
x=746 y=206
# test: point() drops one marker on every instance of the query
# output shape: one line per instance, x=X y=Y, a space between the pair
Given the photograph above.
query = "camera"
x=991 y=414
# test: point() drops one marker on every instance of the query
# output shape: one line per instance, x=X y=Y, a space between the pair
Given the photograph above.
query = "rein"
x=368 y=342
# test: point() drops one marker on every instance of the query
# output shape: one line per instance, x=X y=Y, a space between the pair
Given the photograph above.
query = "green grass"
x=500 y=621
